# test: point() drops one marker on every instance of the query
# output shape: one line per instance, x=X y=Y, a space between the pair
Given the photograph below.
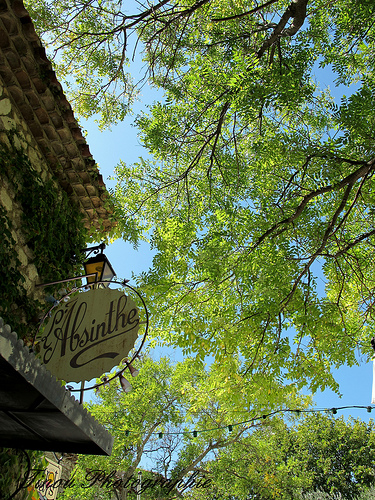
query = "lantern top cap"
x=99 y=265
x=95 y=249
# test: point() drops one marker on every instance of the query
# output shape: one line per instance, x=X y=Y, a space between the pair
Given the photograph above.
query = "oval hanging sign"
x=89 y=335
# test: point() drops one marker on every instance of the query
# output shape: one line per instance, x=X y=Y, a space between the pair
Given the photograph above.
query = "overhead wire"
x=263 y=416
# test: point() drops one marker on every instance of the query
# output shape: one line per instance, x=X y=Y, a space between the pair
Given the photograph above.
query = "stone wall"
x=33 y=105
x=23 y=140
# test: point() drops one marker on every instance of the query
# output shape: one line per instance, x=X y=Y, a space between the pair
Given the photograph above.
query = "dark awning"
x=36 y=411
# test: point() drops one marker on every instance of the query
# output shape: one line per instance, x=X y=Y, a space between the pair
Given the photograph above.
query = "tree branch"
x=244 y=14
x=297 y=10
x=365 y=169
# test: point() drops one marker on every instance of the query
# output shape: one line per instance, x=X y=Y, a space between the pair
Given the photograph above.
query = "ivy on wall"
x=52 y=228
x=15 y=306
x=16 y=467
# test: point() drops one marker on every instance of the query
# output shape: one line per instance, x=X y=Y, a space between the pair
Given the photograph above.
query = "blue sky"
x=107 y=148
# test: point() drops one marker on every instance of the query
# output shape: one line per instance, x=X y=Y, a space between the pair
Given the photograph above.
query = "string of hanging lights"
x=194 y=433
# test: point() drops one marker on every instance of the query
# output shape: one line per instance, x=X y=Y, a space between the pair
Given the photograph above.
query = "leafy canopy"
x=259 y=195
x=153 y=428
x=237 y=453
x=317 y=453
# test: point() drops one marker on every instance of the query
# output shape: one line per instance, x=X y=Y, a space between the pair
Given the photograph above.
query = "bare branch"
x=365 y=169
x=244 y=14
x=296 y=10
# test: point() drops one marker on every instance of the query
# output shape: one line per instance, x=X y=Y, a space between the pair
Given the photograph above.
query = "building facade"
x=52 y=197
x=53 y=202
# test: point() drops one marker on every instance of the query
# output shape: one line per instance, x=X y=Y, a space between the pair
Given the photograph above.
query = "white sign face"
x=48 y=488
x=89 y=334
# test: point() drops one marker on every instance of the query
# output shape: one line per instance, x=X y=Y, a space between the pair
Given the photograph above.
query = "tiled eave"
x=32 y=84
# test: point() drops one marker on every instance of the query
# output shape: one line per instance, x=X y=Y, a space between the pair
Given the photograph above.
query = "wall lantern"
x=98 y=268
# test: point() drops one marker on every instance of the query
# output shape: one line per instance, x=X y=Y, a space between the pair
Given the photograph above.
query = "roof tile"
x=27 y=71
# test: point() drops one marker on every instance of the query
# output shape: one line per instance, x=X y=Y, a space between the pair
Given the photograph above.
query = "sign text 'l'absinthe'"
x=90 y=334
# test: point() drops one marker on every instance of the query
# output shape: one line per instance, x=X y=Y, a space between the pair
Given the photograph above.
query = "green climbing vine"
x=16 y=306
x=52 y=228
x=15 y=473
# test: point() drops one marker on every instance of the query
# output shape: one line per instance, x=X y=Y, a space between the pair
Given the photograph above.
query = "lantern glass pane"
x=108 y=273
x=102 y=267
x=94 y=267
